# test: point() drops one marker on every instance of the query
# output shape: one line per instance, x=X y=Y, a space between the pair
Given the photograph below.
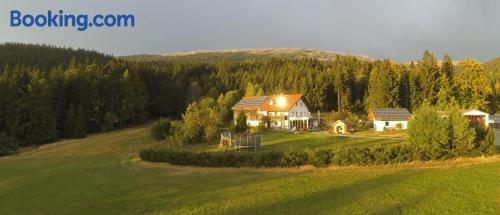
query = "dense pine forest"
x=48 y=93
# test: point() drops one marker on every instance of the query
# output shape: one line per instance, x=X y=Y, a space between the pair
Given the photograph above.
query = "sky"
x=395 y=29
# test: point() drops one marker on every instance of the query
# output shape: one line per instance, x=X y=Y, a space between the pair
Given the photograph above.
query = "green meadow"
x=102 y=174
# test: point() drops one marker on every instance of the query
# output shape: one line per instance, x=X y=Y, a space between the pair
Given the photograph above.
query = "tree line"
x=48 y=93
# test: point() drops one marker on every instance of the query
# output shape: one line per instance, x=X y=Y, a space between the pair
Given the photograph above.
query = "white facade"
x=298 y=112
x=382 y=125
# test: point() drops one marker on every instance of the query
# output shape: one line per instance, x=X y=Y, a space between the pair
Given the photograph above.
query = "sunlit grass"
x=103 y=175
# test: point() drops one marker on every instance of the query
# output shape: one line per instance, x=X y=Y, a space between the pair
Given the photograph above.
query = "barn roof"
x=389 y=114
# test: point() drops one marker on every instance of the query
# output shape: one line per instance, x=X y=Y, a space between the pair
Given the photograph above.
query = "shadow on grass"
x=355 y=198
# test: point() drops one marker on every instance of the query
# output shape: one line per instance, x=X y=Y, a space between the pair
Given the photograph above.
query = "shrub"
x=241 y=123
x=485 y=141
x=362 y=156
x=342 y=157
x=294 y=159
x=429 y=128
x=267 y=159
x=322 y=158
x=178 y=134
x=462 y=134
x=161 y=129
x=214 y=159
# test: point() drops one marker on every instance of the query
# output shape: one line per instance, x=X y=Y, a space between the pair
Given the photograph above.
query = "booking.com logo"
x=81 y=21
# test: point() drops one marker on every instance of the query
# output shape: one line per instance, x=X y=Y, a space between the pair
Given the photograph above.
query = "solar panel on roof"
x=391 y=113
x=251 y=102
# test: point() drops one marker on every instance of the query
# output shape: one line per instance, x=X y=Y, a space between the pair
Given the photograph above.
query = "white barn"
x=389 y=118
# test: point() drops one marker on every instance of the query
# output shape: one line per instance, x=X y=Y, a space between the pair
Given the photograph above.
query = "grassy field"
x=102 y=175
x=287 y=141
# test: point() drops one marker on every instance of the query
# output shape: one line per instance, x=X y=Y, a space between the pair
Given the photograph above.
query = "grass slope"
x=102 y=175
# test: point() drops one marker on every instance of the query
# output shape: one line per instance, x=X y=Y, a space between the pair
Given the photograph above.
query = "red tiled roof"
x=290 y=100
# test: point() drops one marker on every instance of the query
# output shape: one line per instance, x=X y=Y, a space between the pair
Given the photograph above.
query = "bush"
x=161 y=129
x=485 y=140
x=428 y=127
x=398 y=153
x=267 y=159
x=178 y=134
x=214 y=159
x=241 y=123
x=322 y=158
x=294 y=159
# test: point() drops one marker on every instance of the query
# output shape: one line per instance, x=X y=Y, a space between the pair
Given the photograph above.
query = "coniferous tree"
x=383 y=87
x=416 y=97
x=250 y=90
x=429 y=74
x=473 y=87
x=32 y=119
x=447 y=93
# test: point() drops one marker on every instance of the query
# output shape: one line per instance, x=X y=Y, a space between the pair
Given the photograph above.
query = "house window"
x=386 y=123
x=271 y=102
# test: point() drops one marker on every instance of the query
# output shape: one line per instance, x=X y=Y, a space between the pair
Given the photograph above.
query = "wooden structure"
x=225 y=139
x=341 y=127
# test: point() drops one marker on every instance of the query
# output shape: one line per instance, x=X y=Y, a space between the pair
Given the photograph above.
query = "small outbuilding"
x=477 y=117
x=341 y=127
x=389 y=118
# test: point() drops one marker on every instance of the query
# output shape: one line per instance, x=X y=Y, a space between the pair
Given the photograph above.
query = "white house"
x=389 y=118
x=282 y=111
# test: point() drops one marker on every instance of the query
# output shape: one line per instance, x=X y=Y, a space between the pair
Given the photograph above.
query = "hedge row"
x=398 y=153
x=214 y=159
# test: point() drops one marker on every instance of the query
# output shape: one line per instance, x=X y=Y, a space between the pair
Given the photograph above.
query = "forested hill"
x=48 y=93
x=46 y=57
x=242 y=55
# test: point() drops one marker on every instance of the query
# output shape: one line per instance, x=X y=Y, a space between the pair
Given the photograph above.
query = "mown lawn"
x=102 y=175
x=288 y=141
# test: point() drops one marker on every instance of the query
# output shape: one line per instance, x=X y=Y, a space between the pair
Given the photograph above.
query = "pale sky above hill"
x=395 y=29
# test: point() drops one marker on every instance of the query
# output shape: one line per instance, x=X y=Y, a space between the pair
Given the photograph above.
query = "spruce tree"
x=383 y=87
x=429 y=74
x=250 y=90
